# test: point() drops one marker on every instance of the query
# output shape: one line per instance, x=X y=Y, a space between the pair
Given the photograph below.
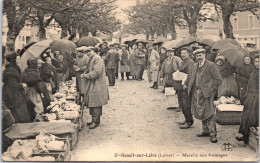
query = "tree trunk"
x=147 y=36
x=164 y=31
x=42 y=31
x=227 y=26
x=15 y=23
x=173 y=34
x=10 y=44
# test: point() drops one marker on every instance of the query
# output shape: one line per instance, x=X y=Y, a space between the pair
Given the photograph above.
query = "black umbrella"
x=63 y=45
x=26 y=47
x=88 y=41
x=187 y=42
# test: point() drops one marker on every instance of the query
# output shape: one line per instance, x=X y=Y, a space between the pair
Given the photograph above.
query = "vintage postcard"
x=130 y=80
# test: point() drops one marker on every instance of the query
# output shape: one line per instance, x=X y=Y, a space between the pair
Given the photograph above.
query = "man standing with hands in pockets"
x=202 y=84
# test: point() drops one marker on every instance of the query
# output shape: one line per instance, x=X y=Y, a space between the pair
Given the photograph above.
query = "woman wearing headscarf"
x=13 y=91
x=37 y=91
x=250 y=116
x=228 y=86
x=242 y=76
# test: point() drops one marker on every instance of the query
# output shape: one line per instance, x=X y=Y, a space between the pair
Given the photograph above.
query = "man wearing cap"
x=183 y=97
x=202 y=84
x=96 y=88
x=170 y=65
x=111 y=61
x=79 y=67
x=140 y=61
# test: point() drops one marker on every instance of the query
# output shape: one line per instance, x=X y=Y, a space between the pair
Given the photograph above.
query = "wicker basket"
x=228 y=117
x=253 y=140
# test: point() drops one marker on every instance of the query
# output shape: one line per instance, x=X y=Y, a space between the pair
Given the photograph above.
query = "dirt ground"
x=136 y=126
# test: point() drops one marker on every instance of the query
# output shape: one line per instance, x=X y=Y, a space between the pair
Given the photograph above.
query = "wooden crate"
x=171 y=98
x=227 y=117
x=73 y=137
x=253 y=140
x=62 y=155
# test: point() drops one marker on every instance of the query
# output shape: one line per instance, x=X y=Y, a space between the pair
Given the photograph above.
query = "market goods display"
x=228 y=110
x=26 y=150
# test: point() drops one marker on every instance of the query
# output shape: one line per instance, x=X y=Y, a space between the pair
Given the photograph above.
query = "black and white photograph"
x=130 y=80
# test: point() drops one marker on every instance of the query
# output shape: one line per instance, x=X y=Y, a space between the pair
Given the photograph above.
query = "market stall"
x=54 y=137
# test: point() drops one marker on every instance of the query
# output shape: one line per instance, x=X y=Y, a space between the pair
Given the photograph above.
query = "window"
x=235 y=23
x=252 y=39
x=245 y=39
x=250 y=21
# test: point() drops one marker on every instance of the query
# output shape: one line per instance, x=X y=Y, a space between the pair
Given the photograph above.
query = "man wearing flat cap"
x=111 y=61
x=79 y=67
x=170 y=65
x=96 y=94
x=202 y=84
x=183 y=97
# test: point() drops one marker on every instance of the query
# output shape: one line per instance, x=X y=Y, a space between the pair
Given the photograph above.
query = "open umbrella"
x=207 y=42
x=233 y=54
x=88 y=41
x=26 y=47
x=141 y=41
x=63 y=45
x=187 y=41
x=170 y=44
x=159 y=41
x=221 y=43
x=34 y=51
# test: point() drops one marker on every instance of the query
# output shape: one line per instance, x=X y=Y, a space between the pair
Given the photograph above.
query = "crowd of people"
x=27 y=94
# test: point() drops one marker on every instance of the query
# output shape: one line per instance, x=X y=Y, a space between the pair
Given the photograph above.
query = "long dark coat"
x=14 y=96
x=202 y=99
x=242 y=76
x=251 y=105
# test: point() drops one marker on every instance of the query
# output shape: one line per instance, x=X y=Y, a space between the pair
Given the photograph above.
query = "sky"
x=123 y=4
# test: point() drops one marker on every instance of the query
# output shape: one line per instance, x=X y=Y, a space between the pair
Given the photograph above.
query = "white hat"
x=82 y=48
x=199 y=51
x=89 y=48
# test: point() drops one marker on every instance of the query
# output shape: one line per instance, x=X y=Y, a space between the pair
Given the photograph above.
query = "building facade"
x=246 y=29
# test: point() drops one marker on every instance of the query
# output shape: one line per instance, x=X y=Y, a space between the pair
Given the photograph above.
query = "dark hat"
x=199 y=51
x=186 y=48
x=170 y=49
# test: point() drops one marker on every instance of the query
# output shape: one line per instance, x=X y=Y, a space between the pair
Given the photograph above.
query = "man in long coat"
x=154 y=62
x=203 y=83
x=111 y=61
x=183 y=97
x=79 y=68
x=97 y=92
